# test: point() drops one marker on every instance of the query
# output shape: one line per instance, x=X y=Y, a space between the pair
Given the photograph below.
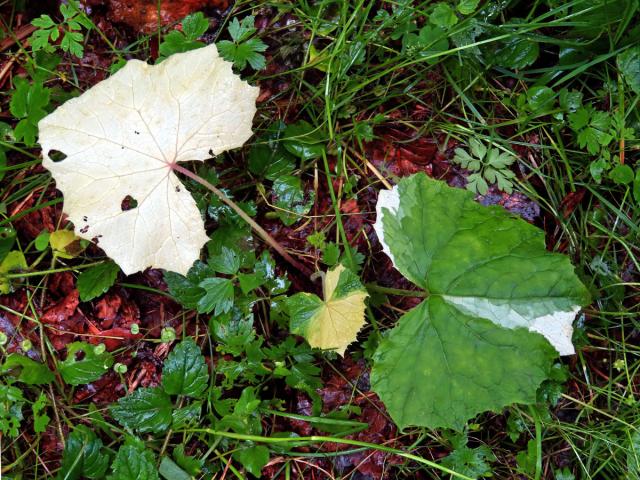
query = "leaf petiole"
x=272 y=242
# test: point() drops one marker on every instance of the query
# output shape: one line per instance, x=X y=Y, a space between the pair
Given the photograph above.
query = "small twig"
x=272 y=242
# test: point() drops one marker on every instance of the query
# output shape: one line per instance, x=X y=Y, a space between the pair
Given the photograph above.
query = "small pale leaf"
x=331 y=324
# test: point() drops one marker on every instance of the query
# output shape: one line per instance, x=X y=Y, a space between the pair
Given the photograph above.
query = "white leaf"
x=122 y=139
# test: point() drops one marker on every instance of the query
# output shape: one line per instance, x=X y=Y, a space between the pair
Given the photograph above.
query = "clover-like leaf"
x=498 y=305
x=331 y=324
x=121 y=142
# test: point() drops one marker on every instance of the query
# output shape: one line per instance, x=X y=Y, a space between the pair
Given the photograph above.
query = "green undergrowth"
x=538 y=99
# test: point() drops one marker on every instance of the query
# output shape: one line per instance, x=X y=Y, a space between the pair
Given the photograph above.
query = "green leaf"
x=14 y=261
x=497 y=303
x=95 y=281
x=185 y=371
x=194 y=25
x=517 y=52
x=621 y=174
x=540 y=99
x=443 y=16
x=467 y=7
x=291 y=199
x=40 y=420
x=30 y=371
x=472 y=462
x=186 y=416
x=186 y=289
x=331 y=324
x=145 y=410
x=303 y=140
x=134 y=463
x=7 y=239
x=43 y=21
x=218 y=297
x=241 y=31
x=83 y=456
x=249 y=52
x=227 y=261
x=253 y=459
x=93 y=364
x=169 y=470
x=629 y=65
x=192 y=465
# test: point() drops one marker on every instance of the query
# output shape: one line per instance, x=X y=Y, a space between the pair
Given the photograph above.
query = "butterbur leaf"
x=83 y=456
x=91 y=366
x=145 y=410
x=122 y=139
x=30 y=371
x=331 y=324
x=95 y=281
x=134 y=463
x=500 y=307
x=185 y=371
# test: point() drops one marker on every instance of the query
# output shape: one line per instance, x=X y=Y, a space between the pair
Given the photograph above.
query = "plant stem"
x=272 y=242
x=344 y=441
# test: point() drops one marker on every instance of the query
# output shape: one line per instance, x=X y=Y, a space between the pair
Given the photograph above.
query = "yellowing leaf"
x=61 y=241
x=331 y=324
x=112 y=152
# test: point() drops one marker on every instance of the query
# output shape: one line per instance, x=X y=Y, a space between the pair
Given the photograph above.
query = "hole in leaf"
x=128 y=203
x=56 y=155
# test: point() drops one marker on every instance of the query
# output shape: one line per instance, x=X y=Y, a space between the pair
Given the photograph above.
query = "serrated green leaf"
x=83 y=456
x=95 y=281
x=493 y=290
x=331 y=324
x=218 y=297
x=186 y=416
x=227 y=261
x=145 y=410
x=134 y=463
x=43 y=21
x=240 y=31
x=185 y=371
x=92 y=366
x=191 y=465
x=30 y=371
x=194 y=25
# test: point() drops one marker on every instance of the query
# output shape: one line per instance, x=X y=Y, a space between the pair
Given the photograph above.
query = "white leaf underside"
x=556 y=325
x=121 y=138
